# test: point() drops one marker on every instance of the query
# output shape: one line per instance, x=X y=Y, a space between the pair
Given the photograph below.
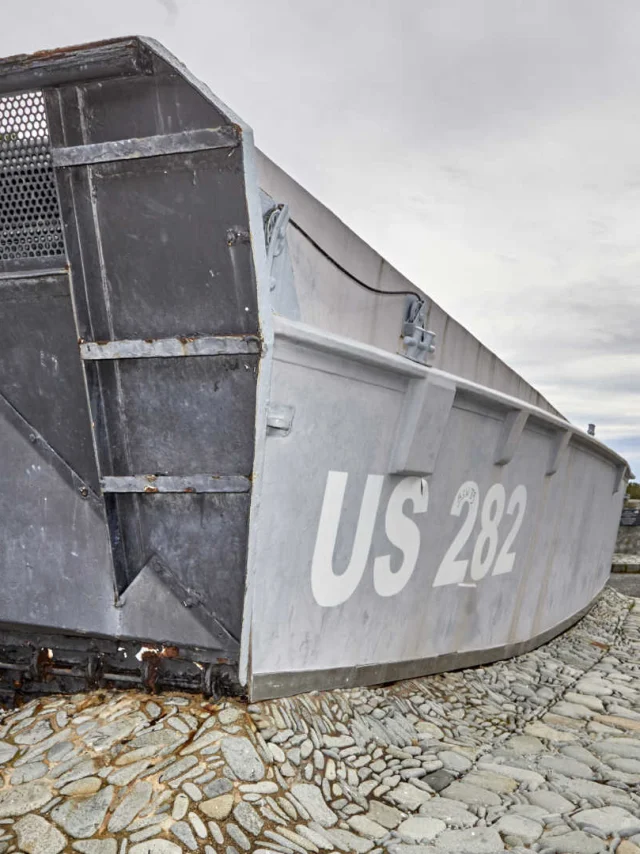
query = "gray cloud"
x=488 y=148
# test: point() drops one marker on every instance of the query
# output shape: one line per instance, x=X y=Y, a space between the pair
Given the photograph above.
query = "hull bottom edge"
x=269 y=686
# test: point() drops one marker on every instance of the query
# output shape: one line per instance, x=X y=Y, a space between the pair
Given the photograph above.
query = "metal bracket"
x=275 y=235
x=237 y=235
x=514 y=423
x=280 y=419
x=558 y=448
x=422 y=423
x=417 y=342
x=621 y=475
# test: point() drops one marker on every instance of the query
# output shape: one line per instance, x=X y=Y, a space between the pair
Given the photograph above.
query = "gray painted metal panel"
x=39 y=369
x=266 y=686
x=54 y=548
x=374 y=568
x=160 y=276
x=210 y=441
x=206 y=426
x=202 y=540
x=164 y=100
x=165 y=211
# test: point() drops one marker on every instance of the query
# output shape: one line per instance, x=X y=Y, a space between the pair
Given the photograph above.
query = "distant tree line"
x=633 y=489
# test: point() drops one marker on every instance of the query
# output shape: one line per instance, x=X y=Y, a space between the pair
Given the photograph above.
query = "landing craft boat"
x=239 y=451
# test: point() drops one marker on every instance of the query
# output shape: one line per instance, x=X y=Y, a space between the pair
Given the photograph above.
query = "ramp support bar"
x=213 y=345
x=152 y=483
x=146 y=146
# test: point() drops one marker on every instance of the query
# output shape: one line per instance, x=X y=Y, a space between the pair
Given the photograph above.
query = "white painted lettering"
x=330 y=589
x=403 y=533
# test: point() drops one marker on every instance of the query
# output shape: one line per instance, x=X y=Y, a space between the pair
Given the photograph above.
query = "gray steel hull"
x=217 y=460
x=415 y=600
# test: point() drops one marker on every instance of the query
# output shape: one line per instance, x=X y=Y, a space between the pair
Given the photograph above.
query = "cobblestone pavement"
x=538 y=753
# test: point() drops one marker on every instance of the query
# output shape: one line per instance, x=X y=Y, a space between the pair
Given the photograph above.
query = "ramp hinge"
x=275 y=236
x=237 y=235
x=417 y=343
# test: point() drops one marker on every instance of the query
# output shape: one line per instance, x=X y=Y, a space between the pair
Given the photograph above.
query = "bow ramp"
x=238 y=450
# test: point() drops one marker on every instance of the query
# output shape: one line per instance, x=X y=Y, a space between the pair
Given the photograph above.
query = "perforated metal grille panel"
x=30 y=224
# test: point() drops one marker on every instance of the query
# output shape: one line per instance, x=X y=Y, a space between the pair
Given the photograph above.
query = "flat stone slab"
x=27 y=798
x=384 y=814
x=471 y=795
x=575 y=842
x=526 y=745
x=610 y=820
x=365 y=826
x=36 y=836
x=526 y=829
x=439 y=780
x=217 y=808
x=82 y=818
x=242 y=758
x=408 y=796
x=313 y=801
x=421 y=828
x=521 y=775
x=499 y=783
x=551 y=801
x=454 y=813
x=483 y=840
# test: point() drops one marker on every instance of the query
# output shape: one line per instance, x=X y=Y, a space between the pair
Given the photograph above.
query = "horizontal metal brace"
x=152 y=483
x=33 y=274
x=146 y=146
x=214 y=345
x=160 y=483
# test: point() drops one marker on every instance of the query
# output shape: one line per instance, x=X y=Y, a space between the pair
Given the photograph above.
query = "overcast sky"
x=490 y=149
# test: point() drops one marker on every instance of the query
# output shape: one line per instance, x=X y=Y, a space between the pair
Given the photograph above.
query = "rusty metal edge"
x=92 y=61
x=152 y=484
x=38 y=663
x=206 y=345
